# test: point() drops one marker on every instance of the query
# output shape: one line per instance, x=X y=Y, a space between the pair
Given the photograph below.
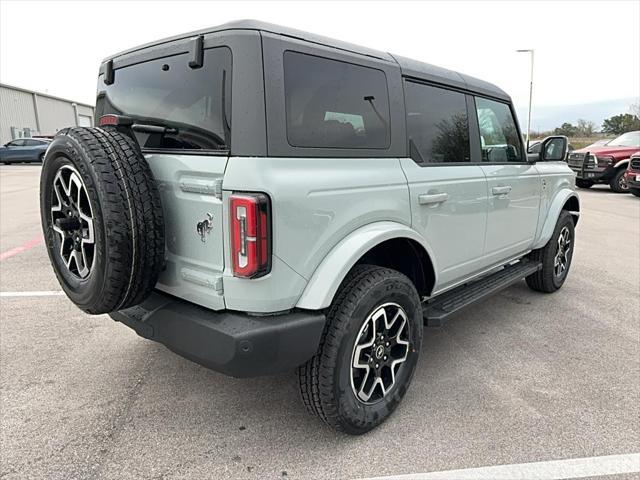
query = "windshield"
x=194 y=103
x=629 y=139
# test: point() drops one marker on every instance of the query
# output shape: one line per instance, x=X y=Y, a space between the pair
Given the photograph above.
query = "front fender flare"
x=328 y=276
x=552 y=216
x=622 y=163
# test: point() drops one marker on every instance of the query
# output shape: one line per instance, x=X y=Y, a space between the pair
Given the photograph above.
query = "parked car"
x=605 y=164
x=304 y=203
x=632 y=175
x=536 y=145
x=599 y=143
x=24 y=150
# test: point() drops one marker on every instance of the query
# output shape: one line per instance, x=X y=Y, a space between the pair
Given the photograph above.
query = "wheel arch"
x=565 y=200
x=386 y=244
x=622 y=163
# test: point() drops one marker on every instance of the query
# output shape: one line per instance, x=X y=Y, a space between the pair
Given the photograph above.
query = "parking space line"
x=22 y=248
x=43 y=293
x=551 y=470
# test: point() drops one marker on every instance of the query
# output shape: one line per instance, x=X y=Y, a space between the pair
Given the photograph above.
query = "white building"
x=25 y=113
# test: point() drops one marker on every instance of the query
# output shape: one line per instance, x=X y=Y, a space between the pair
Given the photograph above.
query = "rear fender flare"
x=328 y=276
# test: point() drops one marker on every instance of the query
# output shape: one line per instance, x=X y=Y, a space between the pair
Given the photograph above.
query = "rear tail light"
x=115 y=120
x=250 y=234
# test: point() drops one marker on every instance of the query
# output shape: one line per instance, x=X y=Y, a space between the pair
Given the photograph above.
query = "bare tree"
x=585 y=128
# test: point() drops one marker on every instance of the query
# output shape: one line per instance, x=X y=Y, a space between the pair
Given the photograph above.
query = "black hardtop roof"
x=409 y=67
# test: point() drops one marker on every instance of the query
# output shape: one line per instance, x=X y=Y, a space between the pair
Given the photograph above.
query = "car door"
x=33 y=149
x=448 y=193
x=513 y=183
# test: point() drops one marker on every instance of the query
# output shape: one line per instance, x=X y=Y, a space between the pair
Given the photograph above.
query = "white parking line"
x=552 y=470
x=49 y=293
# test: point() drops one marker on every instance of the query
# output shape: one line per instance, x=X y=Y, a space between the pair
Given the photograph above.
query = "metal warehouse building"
x=25 y=113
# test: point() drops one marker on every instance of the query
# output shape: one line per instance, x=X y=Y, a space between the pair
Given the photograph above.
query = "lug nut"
x=384 y=358
x=377 y=365
x=387 y=344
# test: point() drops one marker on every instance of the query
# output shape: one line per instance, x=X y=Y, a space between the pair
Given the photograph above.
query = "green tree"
x=619 y=124
x=566 y=129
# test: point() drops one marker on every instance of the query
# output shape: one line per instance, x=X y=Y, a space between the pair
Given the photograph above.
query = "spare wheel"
x=102 y=219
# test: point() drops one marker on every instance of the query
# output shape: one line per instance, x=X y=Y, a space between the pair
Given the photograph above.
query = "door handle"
x=430 y=199
x=501 y=190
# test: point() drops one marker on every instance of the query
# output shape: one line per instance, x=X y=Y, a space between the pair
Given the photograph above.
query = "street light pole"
x=530 y=94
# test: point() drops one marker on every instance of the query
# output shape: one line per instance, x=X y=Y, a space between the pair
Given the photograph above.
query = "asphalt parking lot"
x=522 y=377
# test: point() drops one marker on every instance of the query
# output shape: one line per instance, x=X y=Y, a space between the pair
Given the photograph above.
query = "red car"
x=632 y=175
x=605 y=164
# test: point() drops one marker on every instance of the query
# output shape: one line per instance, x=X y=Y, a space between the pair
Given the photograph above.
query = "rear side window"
x=334 y=104
x=498 y=133
x=195 y=103
x=437 y=124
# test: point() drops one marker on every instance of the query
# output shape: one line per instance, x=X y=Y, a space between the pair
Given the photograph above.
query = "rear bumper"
x=232 y=343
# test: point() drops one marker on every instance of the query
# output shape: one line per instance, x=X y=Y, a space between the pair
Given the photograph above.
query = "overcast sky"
x=584 y=51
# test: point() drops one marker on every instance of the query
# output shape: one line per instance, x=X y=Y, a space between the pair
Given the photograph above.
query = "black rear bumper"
x=233 y=343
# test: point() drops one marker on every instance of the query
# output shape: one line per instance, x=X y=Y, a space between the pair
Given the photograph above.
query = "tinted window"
x=167 y=92
x=332 y=104
x=498 y=133
x=33 y=143
x=17 y=143
x=437 y=123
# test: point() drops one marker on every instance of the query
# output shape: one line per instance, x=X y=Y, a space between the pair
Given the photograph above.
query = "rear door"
x=448 y=194
x=191 y=191
x=513 y=184
x=188 y=158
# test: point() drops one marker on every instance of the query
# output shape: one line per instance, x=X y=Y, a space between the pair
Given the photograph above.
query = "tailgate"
x=191 y=191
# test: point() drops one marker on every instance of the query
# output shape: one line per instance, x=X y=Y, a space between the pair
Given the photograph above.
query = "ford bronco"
x=260 y=199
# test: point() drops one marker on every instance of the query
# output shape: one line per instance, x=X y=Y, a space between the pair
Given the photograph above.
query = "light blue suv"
x=260 y=199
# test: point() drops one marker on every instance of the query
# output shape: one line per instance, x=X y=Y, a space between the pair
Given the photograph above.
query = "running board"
x=436 y=310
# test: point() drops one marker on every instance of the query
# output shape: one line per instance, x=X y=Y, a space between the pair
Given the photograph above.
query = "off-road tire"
x=635 y=191
x=616 y=182
x=127 y=217
x=581 y=183
x=325 y=380
x=545 y=280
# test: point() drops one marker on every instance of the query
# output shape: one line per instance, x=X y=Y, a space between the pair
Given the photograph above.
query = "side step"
x=436 y=310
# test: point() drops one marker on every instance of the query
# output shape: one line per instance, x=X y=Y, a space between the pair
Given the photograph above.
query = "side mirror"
x=554 y=149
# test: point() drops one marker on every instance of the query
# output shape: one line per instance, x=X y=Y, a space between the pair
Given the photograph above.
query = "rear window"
x=437 y=123
x=167 y=92
x=334 y=104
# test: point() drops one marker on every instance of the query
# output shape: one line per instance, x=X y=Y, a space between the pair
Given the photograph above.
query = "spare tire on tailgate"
x=102 y=218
